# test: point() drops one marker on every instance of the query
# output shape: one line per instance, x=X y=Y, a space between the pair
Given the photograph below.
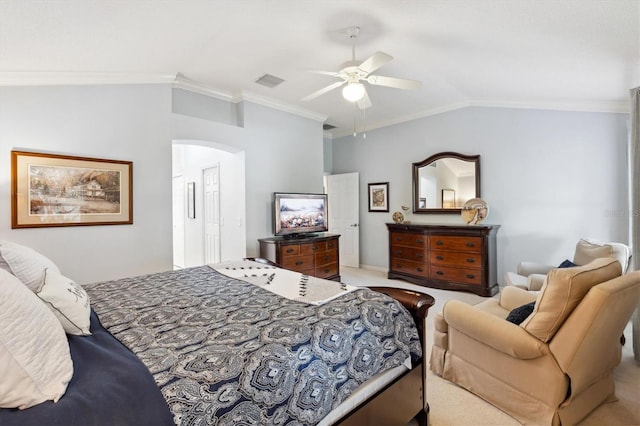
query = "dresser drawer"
x=298 y=263
x=326 y=270
x=414 y=254
x=411 y=240
x=291 y=250
x=466 y=276
x=326 y=257
x=315 y=247
x=454 y=258
x=468 y=244
x=406 y=267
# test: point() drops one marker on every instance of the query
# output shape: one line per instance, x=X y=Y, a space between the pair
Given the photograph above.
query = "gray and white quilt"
x=225 y=351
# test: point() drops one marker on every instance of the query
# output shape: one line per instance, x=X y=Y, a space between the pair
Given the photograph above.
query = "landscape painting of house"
x=65 y=190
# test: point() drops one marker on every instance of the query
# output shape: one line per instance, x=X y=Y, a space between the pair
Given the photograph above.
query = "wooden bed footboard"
x=406 y=397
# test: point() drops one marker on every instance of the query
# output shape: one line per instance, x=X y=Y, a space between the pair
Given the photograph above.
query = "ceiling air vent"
x=328 y=126
x=269 y=80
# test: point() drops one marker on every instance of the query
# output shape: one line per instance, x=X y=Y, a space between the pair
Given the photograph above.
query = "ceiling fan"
x=353 y=73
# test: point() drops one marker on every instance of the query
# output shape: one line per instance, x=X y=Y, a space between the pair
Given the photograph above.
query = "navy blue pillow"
x=567 y=264
x=520 y=313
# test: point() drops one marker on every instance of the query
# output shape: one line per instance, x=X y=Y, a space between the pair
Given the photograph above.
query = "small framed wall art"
x=61 y=190
x=379 y=197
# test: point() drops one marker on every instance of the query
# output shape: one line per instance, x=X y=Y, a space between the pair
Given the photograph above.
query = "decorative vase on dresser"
x=449 y=257
x=318 y=255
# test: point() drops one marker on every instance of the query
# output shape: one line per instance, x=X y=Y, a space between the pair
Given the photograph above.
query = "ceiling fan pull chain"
x=355 y=114
x=364 y=123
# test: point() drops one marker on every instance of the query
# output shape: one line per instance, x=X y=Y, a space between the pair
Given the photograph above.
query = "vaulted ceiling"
x=557 y=54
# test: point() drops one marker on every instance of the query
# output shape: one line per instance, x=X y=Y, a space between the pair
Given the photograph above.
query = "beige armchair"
x=556 y=366
x=530 y=275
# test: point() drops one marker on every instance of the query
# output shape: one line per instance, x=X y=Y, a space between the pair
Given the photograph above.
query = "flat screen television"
x=298 y=215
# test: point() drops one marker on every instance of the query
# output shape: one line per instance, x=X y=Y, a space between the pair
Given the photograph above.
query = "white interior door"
x=344 y=215
x=211 y=204
x=178 y=222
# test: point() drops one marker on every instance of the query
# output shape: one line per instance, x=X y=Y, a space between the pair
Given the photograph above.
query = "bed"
x=242 y=342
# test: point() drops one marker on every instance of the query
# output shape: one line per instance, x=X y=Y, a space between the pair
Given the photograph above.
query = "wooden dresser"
x=318 y=255
x=449 y=257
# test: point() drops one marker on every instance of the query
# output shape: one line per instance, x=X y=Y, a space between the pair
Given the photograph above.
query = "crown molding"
x=403 y=119
x=282 y=106
x=588 y=106
x=66 y=78
x=618 y=107
x=182 y=82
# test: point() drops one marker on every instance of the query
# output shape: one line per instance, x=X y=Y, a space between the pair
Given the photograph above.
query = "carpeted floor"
x=453 y=406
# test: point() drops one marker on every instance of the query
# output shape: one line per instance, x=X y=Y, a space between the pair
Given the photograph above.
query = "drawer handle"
x=420 y=270
x=398 y=266
x=470 y=276
x=470 y=260
x=314 y=248
x=398 y=238
x=470 y=244
x=327 y=257
x=440 y=257
x=290 y=250
x=420 y=241
x=299 y=262
x=327 y=270
x=439 y=272
x=399 y=252
x=439 y=242
x=419 y=255
x=330 y=245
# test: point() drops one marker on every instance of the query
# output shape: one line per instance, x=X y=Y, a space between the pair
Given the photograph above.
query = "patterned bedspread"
x=227 y=352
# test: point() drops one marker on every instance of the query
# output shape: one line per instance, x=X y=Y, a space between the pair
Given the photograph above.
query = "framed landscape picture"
x=379 y=197
x=61 y=190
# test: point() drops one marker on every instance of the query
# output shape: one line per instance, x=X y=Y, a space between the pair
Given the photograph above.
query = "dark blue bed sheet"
x=110 y=386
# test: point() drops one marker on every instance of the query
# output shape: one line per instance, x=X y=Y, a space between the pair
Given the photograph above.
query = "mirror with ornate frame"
x=443 y=182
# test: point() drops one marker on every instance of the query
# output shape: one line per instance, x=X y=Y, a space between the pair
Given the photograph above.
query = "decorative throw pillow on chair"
x=520 y=313
x=567 y=264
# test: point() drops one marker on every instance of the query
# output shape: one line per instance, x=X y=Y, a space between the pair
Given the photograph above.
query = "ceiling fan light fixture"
x=353 y=92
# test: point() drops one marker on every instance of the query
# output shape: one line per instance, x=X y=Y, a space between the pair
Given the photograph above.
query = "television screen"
x=299 y=213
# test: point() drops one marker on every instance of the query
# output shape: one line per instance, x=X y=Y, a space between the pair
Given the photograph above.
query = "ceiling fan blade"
x=365 y=102
x=374 y=62
x=323 y=90
x=398 y=83
x=331 y=73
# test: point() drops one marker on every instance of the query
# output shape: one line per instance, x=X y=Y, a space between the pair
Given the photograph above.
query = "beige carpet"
x=453 y=406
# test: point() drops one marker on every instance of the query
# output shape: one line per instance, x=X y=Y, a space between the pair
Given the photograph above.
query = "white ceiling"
x=558 y=54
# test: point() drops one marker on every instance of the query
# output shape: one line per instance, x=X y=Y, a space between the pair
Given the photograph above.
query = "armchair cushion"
x=512 y=297
x=494 y=331
x=563 y=291
x=586 y=251
x=520 y=313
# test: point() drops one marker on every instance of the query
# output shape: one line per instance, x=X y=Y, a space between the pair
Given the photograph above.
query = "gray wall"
x=283 y=152
x=130 y=123
x=550 y=177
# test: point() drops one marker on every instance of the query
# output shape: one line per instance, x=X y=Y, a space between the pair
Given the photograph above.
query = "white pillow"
x=68 y=301
x=35 y=362
x=25 y=263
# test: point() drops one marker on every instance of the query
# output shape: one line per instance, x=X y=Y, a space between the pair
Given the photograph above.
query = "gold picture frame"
x=60 y=190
